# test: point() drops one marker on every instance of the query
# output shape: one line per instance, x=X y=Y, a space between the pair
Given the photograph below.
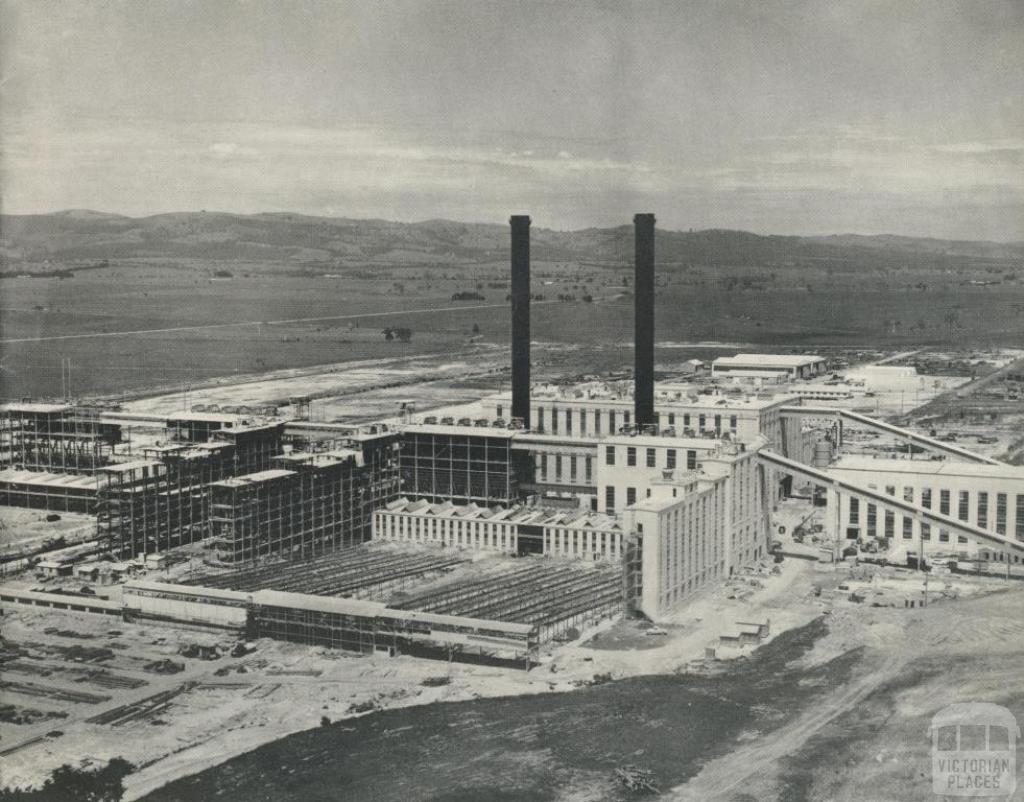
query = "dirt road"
x=720 y=778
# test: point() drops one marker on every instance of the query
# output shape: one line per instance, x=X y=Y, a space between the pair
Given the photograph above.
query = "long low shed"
x=367 y=626
x=186 y=604
x=59 y=601
x=342 y=623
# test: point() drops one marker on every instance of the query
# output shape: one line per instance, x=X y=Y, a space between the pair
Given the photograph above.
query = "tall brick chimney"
x=520 y=224
x=643 y=293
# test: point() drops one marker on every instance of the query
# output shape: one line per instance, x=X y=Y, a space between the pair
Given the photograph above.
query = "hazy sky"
x=782 y=117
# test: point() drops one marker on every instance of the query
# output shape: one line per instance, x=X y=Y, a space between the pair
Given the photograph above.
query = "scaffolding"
x=462 y=465
x=55 y=438
x=307 y=503
x=143 y=507
x=54 y=492
x=164 y=500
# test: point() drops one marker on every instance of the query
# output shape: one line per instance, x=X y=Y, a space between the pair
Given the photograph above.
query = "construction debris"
x=635 y=779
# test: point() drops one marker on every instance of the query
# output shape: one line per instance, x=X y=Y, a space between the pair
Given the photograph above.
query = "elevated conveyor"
x=929 y=443
x=887 y=502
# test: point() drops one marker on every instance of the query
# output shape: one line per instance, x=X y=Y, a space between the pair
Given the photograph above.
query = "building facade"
x=587 y=412
x=788 y=366
x=522 y=530
x=990 y=497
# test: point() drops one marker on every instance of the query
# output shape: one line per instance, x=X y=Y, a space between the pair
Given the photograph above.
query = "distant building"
x=695 y=367
x=800 y=366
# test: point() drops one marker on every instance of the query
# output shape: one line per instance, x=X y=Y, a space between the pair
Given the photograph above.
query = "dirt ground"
x=218 y=709
x=211 y=715
x=869 y=739
x=19 y=525
x=835 y=709
x=353 y=390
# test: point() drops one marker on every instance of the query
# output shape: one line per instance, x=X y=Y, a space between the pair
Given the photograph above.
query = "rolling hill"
x=82 y=235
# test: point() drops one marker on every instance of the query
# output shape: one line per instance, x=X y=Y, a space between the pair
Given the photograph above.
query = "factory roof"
x=36 y=408
x=538 y=516
x=246 y=425
x=773 y=360
x=54 y=480
x=465 y=431
x=253 y=478
x=204 y=417
x=945 y=467
x=125 y=467
x=662 y=501
x=193 y=590
x=571 y=439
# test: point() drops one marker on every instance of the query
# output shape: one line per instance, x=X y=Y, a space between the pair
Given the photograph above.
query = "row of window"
x=485 y=535
x=564 y=419
x=651 y=457
x=559 y=462
x=963 y=507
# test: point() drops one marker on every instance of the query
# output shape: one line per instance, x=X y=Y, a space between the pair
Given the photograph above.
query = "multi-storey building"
x=587 y=411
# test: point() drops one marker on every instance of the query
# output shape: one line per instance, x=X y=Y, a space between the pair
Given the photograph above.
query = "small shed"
x=88 y=572
x=53 y=568
x=156 y=562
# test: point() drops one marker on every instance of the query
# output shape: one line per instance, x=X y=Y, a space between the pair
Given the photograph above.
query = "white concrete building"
x=686 y=536
x=576 y=534
x=629 y=467
x=597 y=410
x=990 y=497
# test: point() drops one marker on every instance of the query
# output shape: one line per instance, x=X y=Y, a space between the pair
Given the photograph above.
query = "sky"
x=887 y=116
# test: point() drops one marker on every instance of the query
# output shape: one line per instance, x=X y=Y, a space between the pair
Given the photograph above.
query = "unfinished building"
x=51 y=456
x=308 y=503
x=55 y=492
x=57 y=438
x=163 y=501
x=462 y=463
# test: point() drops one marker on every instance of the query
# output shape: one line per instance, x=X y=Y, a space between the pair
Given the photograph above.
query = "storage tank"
x=822 y=454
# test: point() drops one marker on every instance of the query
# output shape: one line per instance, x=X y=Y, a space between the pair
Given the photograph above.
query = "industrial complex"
x=586 y=499
x=510 y=531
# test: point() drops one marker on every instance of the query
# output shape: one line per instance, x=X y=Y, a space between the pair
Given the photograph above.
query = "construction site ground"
x=835 y=707
x=19 y=525
x=451 y=383
x=175 y=724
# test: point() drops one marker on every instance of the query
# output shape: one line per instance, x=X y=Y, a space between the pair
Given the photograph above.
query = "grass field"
x=796 y=307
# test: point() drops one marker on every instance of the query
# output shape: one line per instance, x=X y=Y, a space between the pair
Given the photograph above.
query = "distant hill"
x=78 y=235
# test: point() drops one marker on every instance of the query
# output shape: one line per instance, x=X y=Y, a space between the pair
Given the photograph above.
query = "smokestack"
x=520 y=224
x=643 y=293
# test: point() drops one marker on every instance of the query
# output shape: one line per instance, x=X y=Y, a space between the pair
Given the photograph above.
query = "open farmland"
x=815 y=309
x=203 y=284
